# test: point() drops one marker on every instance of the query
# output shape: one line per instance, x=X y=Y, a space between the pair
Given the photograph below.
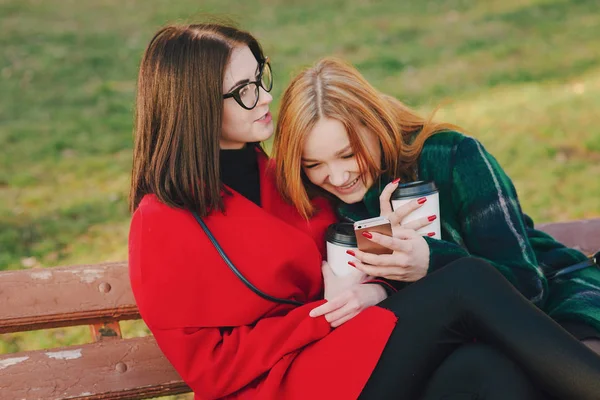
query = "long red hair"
x=334 y=89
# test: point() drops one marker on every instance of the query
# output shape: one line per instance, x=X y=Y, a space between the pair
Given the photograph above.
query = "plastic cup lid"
x=414 y=189
x=341 y=233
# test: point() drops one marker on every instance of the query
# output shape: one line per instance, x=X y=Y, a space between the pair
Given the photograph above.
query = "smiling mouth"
x=348 y=186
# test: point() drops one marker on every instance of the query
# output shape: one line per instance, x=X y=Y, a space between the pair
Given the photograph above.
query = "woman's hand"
x=349 y=303
x=346 y=296
x=334 y=284
x=408 y=263
x=396 y=217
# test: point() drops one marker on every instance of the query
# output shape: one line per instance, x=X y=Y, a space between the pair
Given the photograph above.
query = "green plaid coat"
x=481 y=216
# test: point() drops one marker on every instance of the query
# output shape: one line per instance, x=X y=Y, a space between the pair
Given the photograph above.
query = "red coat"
x=226 y=341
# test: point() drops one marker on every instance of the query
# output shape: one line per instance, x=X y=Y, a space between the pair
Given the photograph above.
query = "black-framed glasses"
x=247 y=94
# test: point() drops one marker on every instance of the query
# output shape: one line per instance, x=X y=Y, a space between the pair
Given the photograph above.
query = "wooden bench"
x=100 y=296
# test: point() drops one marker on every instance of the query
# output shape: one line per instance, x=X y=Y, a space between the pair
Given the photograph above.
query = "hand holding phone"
x=378 y=224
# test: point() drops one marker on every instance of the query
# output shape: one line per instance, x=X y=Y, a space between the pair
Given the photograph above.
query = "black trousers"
x=480 y=372
x=469 y=300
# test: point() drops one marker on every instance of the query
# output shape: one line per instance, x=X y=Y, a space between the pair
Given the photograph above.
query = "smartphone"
x=378 y=224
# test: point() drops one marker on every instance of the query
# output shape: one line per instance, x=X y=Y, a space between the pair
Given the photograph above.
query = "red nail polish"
x=432 y=218
x=350 y=252
x=351 y=263
x=422 y=200
x=367 y=235
x=430 y=234
x=396 y=181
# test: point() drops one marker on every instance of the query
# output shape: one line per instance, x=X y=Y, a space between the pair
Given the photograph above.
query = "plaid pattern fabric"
x=481 y=216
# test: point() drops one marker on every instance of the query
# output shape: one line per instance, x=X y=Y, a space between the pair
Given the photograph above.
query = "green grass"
x=524 y=72
x=523 y=76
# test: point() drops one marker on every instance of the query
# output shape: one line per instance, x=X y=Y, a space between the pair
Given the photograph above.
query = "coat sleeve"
x=216 y=362
x=491 y=221
x=573 y=299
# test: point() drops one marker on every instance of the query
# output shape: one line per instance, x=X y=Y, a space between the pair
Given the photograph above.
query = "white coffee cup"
x=340 y=238
x=406 y=192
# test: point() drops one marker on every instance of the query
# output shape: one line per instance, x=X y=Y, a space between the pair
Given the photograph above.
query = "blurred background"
x=522 y=76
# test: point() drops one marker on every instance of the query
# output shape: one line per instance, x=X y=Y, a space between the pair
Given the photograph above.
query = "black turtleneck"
x=239 y=171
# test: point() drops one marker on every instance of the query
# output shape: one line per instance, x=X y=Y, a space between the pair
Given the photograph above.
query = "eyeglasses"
x=246 y=95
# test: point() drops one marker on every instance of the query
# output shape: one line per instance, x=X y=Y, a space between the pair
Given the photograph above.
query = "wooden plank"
x=583 y=235
x=114 y=369
x=65 y=296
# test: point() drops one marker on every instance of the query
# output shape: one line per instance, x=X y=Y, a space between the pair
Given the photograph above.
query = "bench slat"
x=42 y=298
x=583 y=235
x=114 y=369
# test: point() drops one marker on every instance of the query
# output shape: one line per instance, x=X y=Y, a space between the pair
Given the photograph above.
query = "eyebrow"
x=337 y=154
x=244 y=81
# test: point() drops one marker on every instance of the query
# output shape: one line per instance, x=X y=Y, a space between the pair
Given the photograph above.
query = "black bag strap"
x=236 y=271
x=593 y=261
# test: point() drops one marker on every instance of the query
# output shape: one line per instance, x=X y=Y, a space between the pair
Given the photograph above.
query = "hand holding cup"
x=413 y=205
x=346 y=296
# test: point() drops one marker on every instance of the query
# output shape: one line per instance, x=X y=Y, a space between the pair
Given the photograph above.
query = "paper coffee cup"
x=406 y=192
x=340 y=238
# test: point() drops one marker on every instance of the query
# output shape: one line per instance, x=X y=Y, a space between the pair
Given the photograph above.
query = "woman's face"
x=241 y=126
x=329 y=161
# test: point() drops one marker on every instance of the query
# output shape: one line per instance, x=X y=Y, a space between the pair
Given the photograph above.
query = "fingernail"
x=350 y=252
x=430 y=234
x=432 y=218
x=422 y=200
x=367 y=235
x=396 y=181
x=352 y=264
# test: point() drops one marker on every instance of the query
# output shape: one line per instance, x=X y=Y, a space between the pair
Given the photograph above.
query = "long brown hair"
x=179 y=112
x=334 y=89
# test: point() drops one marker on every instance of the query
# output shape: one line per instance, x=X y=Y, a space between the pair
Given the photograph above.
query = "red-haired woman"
x=338 y=136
